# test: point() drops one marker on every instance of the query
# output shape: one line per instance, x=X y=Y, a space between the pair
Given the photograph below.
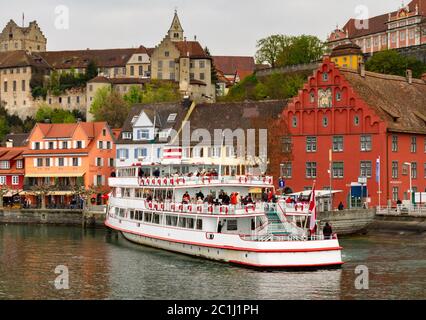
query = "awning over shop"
x=255 y=190
x=12 y=193
x=51 y=193
x=54 y=175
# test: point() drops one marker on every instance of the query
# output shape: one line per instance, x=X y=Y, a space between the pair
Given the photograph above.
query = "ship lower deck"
x=233 y=248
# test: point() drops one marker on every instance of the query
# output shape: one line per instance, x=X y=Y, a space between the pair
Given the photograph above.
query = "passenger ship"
x=151 y=211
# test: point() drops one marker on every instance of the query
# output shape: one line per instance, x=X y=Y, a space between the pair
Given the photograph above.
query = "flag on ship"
x=172 y=155
x=313 y=210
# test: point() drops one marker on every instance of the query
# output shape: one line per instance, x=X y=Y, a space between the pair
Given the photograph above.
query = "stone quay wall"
x=54 y=217
x=348 y=222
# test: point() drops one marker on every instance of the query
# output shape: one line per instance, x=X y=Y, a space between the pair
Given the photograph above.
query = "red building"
x=394 y=30
x=12 y=170
x=360 y=116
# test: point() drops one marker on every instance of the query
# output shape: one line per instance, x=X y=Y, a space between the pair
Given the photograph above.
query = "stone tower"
x=14 y=37
x=176 y=30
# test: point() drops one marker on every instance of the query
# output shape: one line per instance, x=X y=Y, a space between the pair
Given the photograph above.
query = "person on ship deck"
x=186 y=198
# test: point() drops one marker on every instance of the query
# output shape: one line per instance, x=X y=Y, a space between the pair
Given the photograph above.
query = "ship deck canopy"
x=318 y=193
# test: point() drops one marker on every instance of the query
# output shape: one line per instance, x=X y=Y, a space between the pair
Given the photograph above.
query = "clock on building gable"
x=325 y=98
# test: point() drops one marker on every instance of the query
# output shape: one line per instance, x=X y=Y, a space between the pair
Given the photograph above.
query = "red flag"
x=313 y=210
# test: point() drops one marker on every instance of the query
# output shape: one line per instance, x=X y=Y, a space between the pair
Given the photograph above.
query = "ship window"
x=147 y=216
x=190 y=223
x=132 y=214
x=139 y=215
x=232 y=225
x=156 y=219
x=199 y=224
x=182 y=222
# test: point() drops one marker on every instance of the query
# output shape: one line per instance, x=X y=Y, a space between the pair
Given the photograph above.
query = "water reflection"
x=106 y=266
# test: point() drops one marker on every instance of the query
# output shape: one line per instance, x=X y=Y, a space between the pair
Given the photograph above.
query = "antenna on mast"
x=23 y=19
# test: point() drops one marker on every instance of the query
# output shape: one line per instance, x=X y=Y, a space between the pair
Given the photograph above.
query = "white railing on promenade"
x=403 y=210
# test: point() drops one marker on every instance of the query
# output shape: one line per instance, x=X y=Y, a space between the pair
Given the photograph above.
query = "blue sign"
x=282 y=183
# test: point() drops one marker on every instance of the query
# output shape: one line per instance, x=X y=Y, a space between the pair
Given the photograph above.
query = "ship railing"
x=283 y=238
x=205 y=180
x=204 y=208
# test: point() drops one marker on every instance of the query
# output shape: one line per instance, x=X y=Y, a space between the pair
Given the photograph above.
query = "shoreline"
x=88 y=219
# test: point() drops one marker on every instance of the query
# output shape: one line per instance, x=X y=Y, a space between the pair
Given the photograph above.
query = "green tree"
x=100 y=98
x=45 y=112
x=112 y=109
x=160 y=91
x=392 y=62
x=214 y=77
x=4 y=127
x=299 y=50
x=135 y=95
x=91 y=70
x=270 y=48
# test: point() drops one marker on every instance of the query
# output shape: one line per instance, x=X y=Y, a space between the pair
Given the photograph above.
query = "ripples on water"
x=105 y=266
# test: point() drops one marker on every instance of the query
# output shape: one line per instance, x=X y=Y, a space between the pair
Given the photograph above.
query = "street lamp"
x=411 y=179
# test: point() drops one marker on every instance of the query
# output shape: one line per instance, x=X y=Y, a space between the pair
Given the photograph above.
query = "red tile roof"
x=105 y=58
x=66 y=130
x=378 y=24
x=191 y=48
x=231 y=65
x=399 y=103
x=20 y=58
x=7 y=154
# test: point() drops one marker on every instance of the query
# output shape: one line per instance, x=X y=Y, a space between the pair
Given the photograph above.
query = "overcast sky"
x=227 y=27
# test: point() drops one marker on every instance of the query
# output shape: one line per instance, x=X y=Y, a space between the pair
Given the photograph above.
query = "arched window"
x=356 y=120
x=325 y=121
x=294 y=120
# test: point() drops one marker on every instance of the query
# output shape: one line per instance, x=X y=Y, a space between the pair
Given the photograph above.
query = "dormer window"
x=142 y=134
x=172 y=117
x=127 y=135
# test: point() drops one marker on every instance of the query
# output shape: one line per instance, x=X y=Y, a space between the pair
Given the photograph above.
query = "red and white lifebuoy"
x=153 y=181
x=173 y=207
x=147 y=182
x=172 y=182
x=224 y=210
x=141 y=181
x=165 y=181
x=181 y=207
x=190 y=208
x=252 y=207
x=210 y=209
x=200 y=209
x=159 y=182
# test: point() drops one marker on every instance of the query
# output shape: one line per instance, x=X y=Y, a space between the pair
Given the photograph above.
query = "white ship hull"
x=233 y=249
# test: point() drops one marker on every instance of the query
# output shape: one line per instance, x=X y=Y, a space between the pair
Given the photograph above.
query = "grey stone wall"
x=348 y=222
x=58 y=217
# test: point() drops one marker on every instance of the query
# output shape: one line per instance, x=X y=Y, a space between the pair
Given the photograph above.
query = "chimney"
x=409 y=74
x=362 y=69
x=195 y=38
x=9 y=143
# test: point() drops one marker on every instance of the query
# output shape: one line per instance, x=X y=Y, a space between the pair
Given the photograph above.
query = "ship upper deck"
x=128 y=177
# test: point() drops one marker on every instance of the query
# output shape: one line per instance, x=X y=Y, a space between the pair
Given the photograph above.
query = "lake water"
x=103 y=265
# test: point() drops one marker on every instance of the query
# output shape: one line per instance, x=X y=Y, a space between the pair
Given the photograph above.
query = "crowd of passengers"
x=224 y=199
x=199 y=173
